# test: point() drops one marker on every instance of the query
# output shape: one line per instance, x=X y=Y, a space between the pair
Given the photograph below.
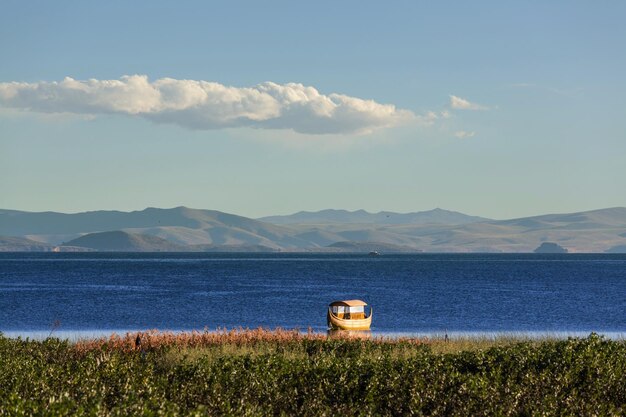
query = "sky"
x=497 y=109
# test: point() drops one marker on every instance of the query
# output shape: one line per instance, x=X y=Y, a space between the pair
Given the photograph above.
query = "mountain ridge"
x=193 y=229
x=434 y=216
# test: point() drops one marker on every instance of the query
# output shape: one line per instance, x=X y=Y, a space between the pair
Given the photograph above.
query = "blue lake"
x=425 y=293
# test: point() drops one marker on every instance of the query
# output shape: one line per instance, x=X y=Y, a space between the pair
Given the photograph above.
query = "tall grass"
x=262 y=372
x=155 y=339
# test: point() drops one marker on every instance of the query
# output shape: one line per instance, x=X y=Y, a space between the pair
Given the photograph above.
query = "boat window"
x=357 y=309
x=338 y=309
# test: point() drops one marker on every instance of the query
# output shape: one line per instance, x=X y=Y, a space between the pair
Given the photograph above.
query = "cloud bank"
x=459 y=103
x=209 y=105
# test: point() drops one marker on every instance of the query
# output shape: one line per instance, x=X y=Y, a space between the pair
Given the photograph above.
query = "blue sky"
x=538 y=124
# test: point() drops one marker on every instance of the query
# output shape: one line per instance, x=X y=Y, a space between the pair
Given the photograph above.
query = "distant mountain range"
x=185 y=229
x=20 y=244
x=180 y=225
x=436 y=216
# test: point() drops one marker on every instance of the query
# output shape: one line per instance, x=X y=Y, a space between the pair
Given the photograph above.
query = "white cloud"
x=431 y=117
x=459 y=103
x=209 y=105
x=462 y=134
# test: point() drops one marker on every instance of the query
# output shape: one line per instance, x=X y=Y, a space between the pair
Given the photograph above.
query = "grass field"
x=262 y=372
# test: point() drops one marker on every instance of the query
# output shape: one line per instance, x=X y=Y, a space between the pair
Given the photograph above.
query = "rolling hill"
x=180 y=225
x=435 y=216
x=183 y=228
x=20 y=244
x=118 y=241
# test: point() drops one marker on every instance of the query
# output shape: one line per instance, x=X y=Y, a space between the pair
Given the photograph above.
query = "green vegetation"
x=284 y=373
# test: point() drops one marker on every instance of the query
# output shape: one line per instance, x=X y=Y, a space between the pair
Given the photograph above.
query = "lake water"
x=411 y=294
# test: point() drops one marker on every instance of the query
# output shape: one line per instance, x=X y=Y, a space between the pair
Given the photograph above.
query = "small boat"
x=374 y=253
x=349 y=315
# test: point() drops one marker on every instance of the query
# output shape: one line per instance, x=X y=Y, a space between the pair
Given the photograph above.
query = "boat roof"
x=349 y=303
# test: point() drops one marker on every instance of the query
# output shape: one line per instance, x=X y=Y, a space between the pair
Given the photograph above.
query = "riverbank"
x=284 y=372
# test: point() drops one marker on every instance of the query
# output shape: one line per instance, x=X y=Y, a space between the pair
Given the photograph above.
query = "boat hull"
x=335 y=322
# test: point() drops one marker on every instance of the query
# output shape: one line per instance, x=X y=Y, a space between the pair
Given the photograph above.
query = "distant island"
x=327 y=231
x=550 y=247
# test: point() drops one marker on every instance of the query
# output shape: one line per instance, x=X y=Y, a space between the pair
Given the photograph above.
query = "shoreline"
x=91 y=334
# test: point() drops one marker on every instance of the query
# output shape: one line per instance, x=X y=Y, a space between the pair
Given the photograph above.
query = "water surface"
x=414 y=294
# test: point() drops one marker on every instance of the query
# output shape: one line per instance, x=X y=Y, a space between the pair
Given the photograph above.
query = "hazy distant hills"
x=13 y=244
x=19 y=244
x=13 y=222
x=185 y=229
x=119 y=241
x=180 y=225
x=436 y=216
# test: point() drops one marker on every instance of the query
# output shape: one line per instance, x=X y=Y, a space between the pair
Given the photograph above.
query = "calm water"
x=425 y=293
